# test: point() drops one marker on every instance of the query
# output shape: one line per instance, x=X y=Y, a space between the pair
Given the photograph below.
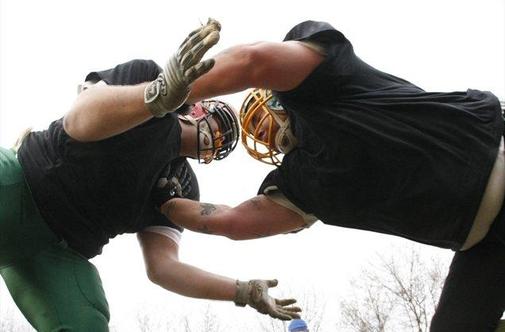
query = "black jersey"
x=91 y=192
x=378 y=153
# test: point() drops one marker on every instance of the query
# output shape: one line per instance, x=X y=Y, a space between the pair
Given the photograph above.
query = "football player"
x=357 y=147
x=103 y=170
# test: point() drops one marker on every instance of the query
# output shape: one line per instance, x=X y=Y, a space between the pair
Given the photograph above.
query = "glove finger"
x=186 y=174
x=193 y=37
x=166 y=171
x=181 y=170
x=185 y=181
x=184 y=44
x=175 y=187
x=215 y=23
x=279 y=315
x=186 y=191
x=162 y=182
x=198 y=70
x=290 y=309
x=284 y=302
x=193 y=49
x=290 y=314
x=197 y=50
x=202 y=47
x=186 y=185
x=272 y=282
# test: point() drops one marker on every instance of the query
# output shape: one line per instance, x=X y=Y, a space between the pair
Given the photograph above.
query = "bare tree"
x=314 y=307
x=370 y=310
x=209 y=322
x=268 y=324
x=144 y=322
x=397 y=293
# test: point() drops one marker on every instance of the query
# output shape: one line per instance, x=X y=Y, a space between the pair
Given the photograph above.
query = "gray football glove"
x=255 y=294
x=171 y=89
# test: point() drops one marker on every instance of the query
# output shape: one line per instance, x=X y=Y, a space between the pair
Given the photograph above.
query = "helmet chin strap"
x=285 y=141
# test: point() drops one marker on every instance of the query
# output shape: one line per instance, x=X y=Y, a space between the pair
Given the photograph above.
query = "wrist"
x=152 y=96
x=241 y=293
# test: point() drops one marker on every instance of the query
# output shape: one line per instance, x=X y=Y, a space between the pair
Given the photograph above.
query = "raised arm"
x=164 y=269
x=279 y=66
x=254 y=218
x=105 y=111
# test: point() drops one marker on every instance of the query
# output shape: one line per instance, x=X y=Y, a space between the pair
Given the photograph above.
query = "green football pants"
x=55 y=288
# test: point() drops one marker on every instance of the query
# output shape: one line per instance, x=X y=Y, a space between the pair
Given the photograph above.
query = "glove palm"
x=255 y=294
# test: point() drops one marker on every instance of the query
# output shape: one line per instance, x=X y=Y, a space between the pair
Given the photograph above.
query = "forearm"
x=191 y=281
x=267 y=65
x=104 y=111
x=255 y=218
x=232 y=72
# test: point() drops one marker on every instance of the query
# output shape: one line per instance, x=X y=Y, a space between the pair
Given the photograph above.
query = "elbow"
x=157 y=276
x=69 y=124
x=73 y=129
x=153 y=275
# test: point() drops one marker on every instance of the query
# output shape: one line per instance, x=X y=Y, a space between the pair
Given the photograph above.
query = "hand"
x=255 y=294
x=171 y=89
x=176 y=180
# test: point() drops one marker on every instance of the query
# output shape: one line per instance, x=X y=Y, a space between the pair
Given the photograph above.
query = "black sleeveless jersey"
x=91 y=192
x=378 y=153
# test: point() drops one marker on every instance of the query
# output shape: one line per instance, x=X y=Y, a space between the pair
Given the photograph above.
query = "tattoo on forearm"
x=207 y=209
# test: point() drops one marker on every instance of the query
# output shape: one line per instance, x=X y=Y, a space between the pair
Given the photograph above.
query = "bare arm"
x=270 y=65
x=254 y=218
x=164 y=269
x=104 y=111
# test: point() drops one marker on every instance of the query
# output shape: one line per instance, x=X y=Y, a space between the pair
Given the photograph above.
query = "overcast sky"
x=47 y=47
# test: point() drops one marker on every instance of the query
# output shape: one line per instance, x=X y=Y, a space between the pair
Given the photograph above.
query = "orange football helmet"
x=266 y=132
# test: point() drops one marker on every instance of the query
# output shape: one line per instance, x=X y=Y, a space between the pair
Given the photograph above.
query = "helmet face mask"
x=266 y=132
x=217 y=129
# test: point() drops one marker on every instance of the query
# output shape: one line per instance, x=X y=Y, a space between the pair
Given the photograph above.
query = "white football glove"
x=255 y=294
x=171 y=89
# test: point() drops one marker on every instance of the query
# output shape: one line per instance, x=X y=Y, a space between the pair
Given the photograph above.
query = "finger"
x=191 y=34
x=272 y=283
x=279 y=315
x=187 y=191
x=198 y=49
x=207 y=35
x=291 y=315
x=166 y=171
x=185 y=45
x=198 y=70
x=290 y=309
x=284 y=302
x=181 y=170
x=215 y=23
